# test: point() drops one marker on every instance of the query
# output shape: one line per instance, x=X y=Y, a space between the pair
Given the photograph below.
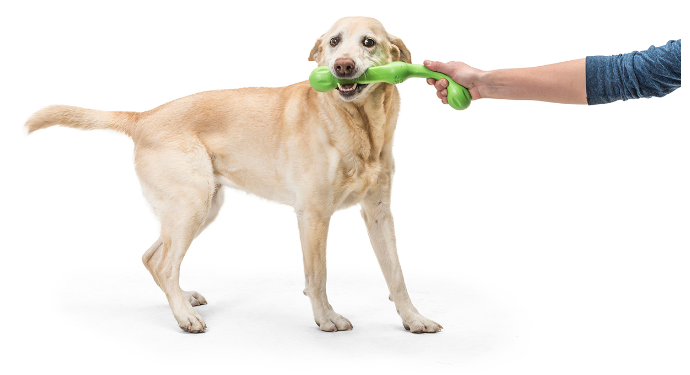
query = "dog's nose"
x=344 y=67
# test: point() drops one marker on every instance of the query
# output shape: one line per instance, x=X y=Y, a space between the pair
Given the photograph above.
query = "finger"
x=441 y=84
x=439 y=67
x=431 y=81
x=438 y=93
x=444 y=100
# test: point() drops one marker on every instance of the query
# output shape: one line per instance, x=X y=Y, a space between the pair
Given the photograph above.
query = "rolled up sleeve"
x=654 y=72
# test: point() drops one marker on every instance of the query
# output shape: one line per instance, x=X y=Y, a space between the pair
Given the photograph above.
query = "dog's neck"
x=370 y=125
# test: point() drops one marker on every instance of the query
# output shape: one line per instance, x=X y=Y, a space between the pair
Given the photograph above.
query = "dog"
x=317 y=152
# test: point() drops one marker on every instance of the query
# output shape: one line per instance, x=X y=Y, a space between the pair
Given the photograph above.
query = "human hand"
x=459 y=72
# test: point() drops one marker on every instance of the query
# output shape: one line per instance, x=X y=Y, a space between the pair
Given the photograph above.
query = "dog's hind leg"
x=152 y=256
x=180 y=186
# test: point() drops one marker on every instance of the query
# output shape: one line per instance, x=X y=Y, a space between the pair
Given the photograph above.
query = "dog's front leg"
x=313 y=230
x=379 y=220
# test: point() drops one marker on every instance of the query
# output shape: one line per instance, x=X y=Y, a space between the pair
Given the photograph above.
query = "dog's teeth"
x=340 y=87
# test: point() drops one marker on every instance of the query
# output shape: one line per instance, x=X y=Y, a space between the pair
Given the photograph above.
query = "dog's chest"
x=357 y=177
x=359 y=161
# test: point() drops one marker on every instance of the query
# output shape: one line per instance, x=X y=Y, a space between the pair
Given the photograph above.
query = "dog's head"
x=353 y=45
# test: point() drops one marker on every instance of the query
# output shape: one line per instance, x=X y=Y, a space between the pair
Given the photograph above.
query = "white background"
x=545 y=238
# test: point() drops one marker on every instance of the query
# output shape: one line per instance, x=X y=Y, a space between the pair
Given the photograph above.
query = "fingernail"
x=427 y=62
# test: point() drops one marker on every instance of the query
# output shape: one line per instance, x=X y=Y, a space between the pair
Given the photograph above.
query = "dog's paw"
x=194 y=298
x=333 y=322
x=191 y=322
x=416 y=323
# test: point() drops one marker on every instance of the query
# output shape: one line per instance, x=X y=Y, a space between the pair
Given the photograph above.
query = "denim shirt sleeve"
x=654 y=72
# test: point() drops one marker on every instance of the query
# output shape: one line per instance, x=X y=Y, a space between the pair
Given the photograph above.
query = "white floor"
x=541 y=309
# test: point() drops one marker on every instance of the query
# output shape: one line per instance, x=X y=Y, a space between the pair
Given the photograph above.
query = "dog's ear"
x=398 y=50
x=316 y=51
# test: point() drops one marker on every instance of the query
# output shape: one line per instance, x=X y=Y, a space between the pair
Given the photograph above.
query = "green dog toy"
x=322 y=80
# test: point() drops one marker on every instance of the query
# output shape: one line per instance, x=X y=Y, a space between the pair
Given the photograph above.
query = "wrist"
x=502 y=84
x=483 y=85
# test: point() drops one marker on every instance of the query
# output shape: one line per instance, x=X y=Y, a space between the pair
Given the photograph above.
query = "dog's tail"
x=82 y=118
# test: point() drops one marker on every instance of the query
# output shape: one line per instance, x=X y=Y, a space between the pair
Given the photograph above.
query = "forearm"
x=563 y=82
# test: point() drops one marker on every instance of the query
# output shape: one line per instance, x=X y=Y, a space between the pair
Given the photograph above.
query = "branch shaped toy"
x=322 y=80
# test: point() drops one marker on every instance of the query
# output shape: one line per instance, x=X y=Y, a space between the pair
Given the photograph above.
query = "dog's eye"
x=368 y=42
x=335 y=41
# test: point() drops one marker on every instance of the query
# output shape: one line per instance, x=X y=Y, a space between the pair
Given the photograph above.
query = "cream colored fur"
x=314 y=151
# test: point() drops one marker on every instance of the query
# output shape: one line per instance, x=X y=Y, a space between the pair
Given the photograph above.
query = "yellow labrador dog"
x=318 y=152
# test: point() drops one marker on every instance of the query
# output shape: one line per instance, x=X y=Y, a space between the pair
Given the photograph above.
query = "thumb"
x=438 y=66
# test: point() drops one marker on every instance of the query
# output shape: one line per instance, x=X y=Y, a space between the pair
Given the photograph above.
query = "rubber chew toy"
x=322 y=80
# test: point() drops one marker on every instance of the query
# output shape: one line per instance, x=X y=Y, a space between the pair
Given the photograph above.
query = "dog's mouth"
x=351 y=89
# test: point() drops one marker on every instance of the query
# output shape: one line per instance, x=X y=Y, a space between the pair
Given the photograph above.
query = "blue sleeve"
x=654 y=72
